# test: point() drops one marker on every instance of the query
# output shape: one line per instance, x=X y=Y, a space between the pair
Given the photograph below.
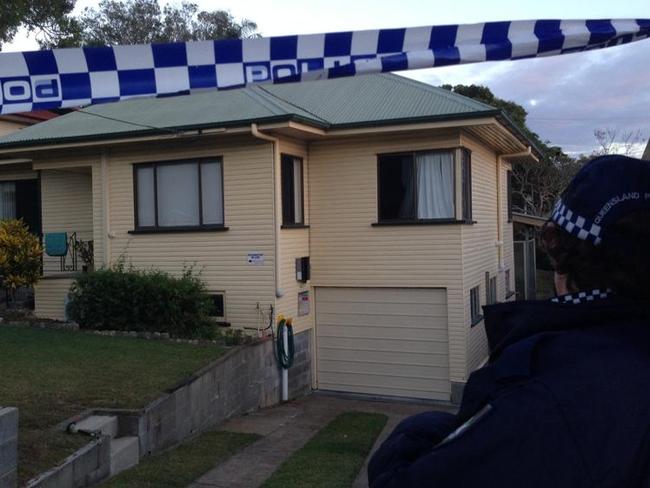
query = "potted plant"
x=85 y=251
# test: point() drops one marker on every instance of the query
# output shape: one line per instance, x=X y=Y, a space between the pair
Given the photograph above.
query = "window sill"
x=294 y=226
x=423 y=222
x=172 y=230
x=476 y=320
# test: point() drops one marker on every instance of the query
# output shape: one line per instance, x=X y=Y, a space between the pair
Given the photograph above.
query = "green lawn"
x=51 y=375
x=334 y=456
x=180 y=466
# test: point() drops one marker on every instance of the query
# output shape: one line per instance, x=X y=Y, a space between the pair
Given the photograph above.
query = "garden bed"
x=51 y=375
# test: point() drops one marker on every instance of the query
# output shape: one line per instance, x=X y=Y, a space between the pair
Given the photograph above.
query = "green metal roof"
x=336 y=103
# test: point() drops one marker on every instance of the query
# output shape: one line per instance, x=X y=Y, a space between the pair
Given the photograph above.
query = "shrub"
x=20 y=256
x=145 y=301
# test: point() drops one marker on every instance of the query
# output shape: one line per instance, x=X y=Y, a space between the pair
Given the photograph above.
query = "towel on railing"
x=56 y=243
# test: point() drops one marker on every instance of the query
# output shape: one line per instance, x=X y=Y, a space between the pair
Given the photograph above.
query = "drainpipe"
x=276 y=234
x=106 y=232
x=276 y=191
x=527 y=153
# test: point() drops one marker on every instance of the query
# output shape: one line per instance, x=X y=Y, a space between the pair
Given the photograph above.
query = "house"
x=18 y=189
x=372 y=209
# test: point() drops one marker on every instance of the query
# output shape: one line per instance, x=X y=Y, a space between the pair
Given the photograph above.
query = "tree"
x=20 y=256
x=116 y=22
x=612 y=141
x=45 y=18
x=536 y=187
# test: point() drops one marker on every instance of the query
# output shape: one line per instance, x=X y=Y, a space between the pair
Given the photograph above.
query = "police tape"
x=74 y=77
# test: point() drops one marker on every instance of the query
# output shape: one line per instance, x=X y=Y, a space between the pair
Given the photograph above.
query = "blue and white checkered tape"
x=81 y=76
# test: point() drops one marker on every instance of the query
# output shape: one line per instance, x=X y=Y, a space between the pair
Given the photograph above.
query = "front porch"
x=68 y=234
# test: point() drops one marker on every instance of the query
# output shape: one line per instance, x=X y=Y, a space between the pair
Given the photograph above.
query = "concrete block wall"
x=243 y=381
x=300 y=372
x=86 y=467
x=8 y=446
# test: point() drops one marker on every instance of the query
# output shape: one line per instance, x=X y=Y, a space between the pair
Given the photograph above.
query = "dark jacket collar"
x=510 y=322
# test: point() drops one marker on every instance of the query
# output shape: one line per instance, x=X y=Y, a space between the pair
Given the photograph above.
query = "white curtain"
x=435 y=185
x=178 y=187
x=146 y=204
x=7 y=200
x=211 y=193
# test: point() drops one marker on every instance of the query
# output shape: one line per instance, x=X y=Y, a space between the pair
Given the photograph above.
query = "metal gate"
x=525 y=270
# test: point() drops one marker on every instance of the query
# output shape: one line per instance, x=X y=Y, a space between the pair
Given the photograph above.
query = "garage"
x=383 y=341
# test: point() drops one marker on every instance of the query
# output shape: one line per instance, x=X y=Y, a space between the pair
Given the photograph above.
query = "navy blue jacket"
x=564 y=401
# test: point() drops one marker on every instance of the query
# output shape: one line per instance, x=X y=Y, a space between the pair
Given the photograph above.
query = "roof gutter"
x=276 y=207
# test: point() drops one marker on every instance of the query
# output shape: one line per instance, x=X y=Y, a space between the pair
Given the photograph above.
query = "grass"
x=334 y=456
x=51 y=375
x=178 y=467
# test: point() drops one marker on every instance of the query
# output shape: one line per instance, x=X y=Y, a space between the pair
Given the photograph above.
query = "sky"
x=567 y=97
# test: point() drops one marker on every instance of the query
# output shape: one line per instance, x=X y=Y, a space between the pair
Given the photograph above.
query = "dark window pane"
x=467 y=185
x=27 y=206
x=396 y=188
x=217 y=309
x=288 y=191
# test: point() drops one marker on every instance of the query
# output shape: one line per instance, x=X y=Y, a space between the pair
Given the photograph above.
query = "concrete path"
x=286 y=428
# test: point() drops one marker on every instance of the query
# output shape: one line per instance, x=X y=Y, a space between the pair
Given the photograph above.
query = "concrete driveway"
x=286 y=428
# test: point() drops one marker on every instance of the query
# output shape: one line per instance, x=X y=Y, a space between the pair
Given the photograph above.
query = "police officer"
x=564 y=400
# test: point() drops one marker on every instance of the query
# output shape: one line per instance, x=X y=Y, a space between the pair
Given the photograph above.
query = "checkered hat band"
x=575 y=224
x=80 y=76
x=583 y=297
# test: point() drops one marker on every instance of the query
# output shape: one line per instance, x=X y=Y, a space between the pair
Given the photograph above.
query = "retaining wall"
x=244 y=380
x=8 y=446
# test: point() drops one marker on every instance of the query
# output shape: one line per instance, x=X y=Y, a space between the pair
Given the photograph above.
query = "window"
x=292 y=191
x=490 y=289
x=507 y=280
x=420 y=186
x=184 y=194
x=509 y=189
x=475 y=305
x=218 y=309
x=466 y=173
x=7 y=200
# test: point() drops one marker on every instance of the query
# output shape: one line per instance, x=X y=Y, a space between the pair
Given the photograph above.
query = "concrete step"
x=106 y=424
x=125 y=453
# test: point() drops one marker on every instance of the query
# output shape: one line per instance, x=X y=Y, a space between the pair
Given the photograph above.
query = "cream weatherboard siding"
x=294 y=243
x=383 y=341
x=50 y=295
x=66 y=206
x=480 y=250
x=347 y=251
x=220 y=257
x=508 y=238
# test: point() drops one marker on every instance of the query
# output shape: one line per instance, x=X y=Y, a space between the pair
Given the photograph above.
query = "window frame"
x=509 y=291
x=466 y=185
x=475 y=318
x=491 y=289
x=222 y=294
x=283 y=188
x=177 y=228
x=416 y=221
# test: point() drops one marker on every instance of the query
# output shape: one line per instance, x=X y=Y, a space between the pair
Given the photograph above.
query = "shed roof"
x=335 y=103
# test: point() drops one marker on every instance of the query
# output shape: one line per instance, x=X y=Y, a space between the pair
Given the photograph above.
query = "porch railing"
x=68 y=248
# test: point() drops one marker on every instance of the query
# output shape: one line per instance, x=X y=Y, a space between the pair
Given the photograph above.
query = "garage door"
x=383 y=341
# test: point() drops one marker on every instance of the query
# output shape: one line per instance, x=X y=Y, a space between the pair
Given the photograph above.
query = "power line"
x=114 y=119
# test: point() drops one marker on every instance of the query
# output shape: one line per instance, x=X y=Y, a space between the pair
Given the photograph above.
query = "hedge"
x=122 y=298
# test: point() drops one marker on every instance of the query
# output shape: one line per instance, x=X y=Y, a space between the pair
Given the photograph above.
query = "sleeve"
x=520 y=440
